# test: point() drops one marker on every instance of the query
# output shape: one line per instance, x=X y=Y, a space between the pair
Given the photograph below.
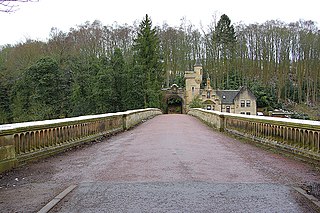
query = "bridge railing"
x=27 y=141
x=300 y=137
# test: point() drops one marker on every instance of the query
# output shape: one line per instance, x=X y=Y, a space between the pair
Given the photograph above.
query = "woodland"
x=93 y=68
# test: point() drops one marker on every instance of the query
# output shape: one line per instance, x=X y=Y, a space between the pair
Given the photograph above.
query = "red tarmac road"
x=168 y=148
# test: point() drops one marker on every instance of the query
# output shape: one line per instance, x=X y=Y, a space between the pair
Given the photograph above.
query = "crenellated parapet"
x=22 y=142
x=300 y=137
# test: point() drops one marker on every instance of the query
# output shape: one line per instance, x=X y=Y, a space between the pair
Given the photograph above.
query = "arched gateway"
x=174 y=100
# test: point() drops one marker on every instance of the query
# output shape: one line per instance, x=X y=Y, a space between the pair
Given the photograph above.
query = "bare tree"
x=9 y=6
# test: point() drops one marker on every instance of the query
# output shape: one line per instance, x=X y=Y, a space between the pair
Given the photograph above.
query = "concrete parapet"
x=300 y=137
x=22 y=142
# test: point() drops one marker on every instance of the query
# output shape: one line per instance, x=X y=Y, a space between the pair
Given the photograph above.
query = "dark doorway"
x=174 y=105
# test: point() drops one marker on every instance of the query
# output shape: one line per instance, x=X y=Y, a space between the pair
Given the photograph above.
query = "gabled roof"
x=227 y=96
x=249 y=91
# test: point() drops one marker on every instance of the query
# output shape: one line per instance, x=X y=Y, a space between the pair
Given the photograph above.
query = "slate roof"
x=227 y=96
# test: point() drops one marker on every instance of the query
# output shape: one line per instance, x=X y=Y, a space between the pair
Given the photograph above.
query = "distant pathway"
x=167 y=149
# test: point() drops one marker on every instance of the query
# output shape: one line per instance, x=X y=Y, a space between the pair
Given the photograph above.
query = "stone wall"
x=212 y=118
x=23 y=142
x=299 y=137
x=134 y=117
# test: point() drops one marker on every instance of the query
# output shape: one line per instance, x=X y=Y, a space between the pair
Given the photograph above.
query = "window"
x=228 y=109
x=208 y=94
x=192 y=89
x=243 y=113
x=248 y=113
x=248 y=103
x=242 y=103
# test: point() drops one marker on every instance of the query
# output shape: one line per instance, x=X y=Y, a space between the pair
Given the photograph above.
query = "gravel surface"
x=169 y=149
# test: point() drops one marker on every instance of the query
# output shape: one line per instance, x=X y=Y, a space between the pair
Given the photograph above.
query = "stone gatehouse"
x=178 y=100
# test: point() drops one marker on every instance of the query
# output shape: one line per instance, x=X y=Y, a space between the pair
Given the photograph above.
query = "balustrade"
x=26 y=141
x=298 y=136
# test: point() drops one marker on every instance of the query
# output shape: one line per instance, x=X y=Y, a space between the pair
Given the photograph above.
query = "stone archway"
x=209 y=105
x=173 y=100
x=174 y=105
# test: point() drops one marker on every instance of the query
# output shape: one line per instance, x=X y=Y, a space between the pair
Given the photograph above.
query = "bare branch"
x=9 y=6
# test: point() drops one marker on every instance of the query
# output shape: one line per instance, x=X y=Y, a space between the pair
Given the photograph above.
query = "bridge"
x=206 y=161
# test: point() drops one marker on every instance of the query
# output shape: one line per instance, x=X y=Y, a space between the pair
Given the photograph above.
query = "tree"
x=225 y=39
x=104 y=94
x=5 y=88
x=119 y=79
x=5 y=109
x=135 y=92
x=9 y=6
x=147 y=58
x=220 y=51
x=225 y=34
x=84 y=72
x=110 y=85
x=45 y=79
x=196 y=102
x=114 y=68
x=38 y=92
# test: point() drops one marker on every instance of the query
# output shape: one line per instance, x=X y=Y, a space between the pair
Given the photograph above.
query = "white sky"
x=34 y=20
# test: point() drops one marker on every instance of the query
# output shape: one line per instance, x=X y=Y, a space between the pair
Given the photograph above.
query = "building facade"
x=241 y=101
x=178 y=100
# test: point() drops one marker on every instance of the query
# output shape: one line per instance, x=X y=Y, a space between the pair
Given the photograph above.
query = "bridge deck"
x=169 y=149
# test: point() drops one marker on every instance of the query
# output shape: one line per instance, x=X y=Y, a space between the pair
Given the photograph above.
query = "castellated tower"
x=193 y=81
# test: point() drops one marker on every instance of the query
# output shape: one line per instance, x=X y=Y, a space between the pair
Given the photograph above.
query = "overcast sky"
x=34 y=20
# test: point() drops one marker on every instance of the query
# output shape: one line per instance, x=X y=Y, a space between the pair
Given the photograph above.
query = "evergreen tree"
x=117 y=64
x=21 y=95
x=224 y=38
x=110 y=84
x=148 y=61
x=5 y=110
x=38 y=93
x=135 y=92
x=225 y=34
x=84 y=74
x=103 y=91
